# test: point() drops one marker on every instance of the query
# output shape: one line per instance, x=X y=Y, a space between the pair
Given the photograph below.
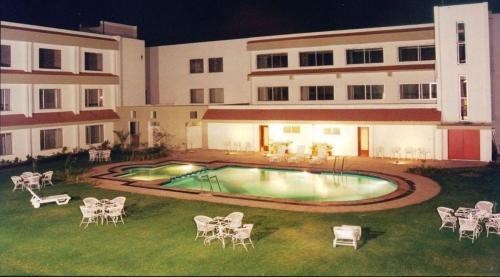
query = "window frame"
x=57 y=63
x=317 y=55
x=58 y=138
x=89 y=136
x=419 y=49
x=57 y=97
x=193 y=68
x=461 y=44
x=212 y=97
x=213 y=63
x=368 y=91
x=99 y=61
x=100 y=97
x=194 y=90
x=271 y=60
x=367 y=55
x=463 y=100
x=316 y=92
x=6 y=149
x=5 y=103
x=3 y=48
x=272 y=94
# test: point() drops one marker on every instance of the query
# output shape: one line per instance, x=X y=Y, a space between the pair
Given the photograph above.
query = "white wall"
x=175 y=81
x=133 y=72
x=20 y=144
x=476 y=68
x=220 y=133
x=18 y=54
x=416 y=136
x=18 y=98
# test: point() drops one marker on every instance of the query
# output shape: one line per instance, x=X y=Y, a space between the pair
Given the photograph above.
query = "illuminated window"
x=291 y=129
x=463 y=98
x=331 y=131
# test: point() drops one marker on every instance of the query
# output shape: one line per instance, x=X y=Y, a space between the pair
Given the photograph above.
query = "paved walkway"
x=425 y=188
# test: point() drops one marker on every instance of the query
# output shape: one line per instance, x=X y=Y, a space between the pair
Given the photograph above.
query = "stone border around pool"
x=406 y=187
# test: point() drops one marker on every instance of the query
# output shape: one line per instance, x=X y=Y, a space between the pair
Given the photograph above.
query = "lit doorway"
x=264 y=137
x=363 y=142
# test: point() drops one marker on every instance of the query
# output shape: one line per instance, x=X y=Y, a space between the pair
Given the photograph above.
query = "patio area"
x=158 y=237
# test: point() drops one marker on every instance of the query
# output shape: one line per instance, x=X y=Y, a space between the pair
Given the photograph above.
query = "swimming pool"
x=167 y=171
x=286 y=184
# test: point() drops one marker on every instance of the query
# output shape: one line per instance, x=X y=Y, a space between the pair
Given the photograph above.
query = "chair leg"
x=251 y=242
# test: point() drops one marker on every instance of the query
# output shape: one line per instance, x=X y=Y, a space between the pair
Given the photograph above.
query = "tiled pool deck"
x=424 y=188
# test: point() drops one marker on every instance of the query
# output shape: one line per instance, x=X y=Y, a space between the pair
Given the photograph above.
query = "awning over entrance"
x=363 y=115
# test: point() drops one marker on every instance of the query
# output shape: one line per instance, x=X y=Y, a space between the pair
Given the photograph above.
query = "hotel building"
x=60 y=89
x=430 y=91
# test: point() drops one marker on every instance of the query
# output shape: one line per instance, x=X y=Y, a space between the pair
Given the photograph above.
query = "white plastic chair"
x=18 y=182
x=248 y=146
x=90 y=201
x=106 y=155
x=447 y=218
x=88 y=216
x=120 y=201
x=357 y=230
x=114 y=213
x=36 y=201
x=469 y=228
x=422 y=153
x=345 y=236
x=396 y=152
x=493 y=223
x=242 y=234
x=380 y=152
x=92 y=155
x=235 y=219
x=485 y=206
x=203 y=226
x=47 y=178
x=409 y=151
x=279 y=156
x=299 y=155
x=320 y=157
x=26 y=174
x=33 y=182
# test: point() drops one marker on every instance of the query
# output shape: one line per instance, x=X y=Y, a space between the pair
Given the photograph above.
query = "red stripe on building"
x=56 y=117
x=426 y=115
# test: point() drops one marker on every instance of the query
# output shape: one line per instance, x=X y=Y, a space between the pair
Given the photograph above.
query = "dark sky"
x=181 y=21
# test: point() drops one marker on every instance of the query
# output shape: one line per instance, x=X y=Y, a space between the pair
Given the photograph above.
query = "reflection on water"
x=161 y=172
x=290 y=184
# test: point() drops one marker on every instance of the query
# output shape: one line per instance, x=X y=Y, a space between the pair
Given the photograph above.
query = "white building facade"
x=60 y=89
x=417 y=91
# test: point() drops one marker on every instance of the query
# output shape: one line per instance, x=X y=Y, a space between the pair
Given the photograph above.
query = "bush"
x=494 y=151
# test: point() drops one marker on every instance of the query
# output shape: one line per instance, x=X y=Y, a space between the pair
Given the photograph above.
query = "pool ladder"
x=209 y=180
x=341 y=164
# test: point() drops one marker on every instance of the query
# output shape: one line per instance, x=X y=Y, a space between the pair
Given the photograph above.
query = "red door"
x=463 y=145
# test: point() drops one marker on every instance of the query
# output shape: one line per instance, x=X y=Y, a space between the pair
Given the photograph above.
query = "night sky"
x=182 y=21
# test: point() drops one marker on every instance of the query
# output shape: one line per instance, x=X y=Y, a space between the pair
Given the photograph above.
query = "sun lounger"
x=36 y=200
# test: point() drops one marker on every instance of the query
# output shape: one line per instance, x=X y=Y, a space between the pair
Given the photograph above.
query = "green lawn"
x=158 y=236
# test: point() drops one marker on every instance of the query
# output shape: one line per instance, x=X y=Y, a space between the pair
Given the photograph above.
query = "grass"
x=158 y=236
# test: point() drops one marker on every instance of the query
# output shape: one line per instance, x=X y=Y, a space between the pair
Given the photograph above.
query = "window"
x=463 y=98
x=94 y=134
x=155 y=124
x=316 y=93
x=5 y=99
x=193 y=115
x=196 y=66
x=291 y=129
x=216 y=95
x=362 y=56
x=50 y=139
x=272 y=61
x=49 y=58
x=273 y=94
x=153 y=114
x=417 y=53
x=331 y=131
x=316 y=58
x=215 y=65
x=197 y=96
x=461 y=42
x=133 y=114
x=5 y=55
x=5 y=144
x=50 y=99
x=94 y=98
x=362 y=92
x=418 y=91
x=93 y=61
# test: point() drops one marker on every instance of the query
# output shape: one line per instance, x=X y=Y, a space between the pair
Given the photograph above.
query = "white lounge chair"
x=235 y=220
x=299 y=155
x=447 y=218
x=47 y=178
x=242 y=234
x=469 y=228
x=320 y=157
x=36 y=200
x=203 y=226
x=493 y=223
x=18 y=182
x=345 y=236
x=88 y=216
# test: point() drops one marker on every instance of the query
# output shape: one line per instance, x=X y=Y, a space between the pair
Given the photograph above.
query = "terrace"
x=158 y=235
